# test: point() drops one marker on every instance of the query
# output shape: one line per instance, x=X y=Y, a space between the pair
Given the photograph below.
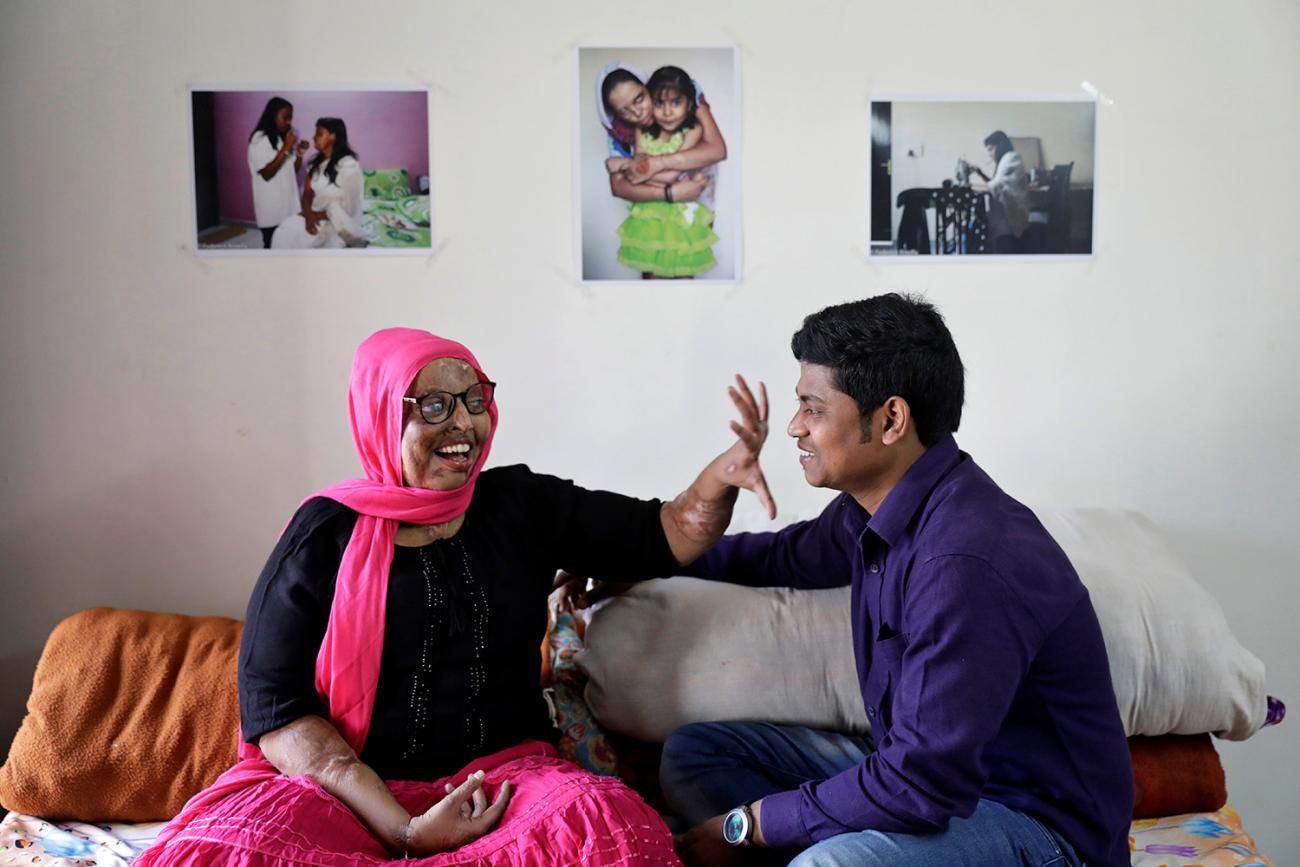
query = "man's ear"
x=897 y=420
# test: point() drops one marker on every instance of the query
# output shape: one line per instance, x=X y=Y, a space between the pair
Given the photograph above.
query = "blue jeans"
x=708 y=768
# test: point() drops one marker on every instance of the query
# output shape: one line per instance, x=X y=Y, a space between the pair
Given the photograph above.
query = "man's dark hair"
x=889 y=345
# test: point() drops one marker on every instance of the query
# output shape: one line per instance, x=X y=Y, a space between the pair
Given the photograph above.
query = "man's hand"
x=703 y=846
x=569 y=593
x=461 y=817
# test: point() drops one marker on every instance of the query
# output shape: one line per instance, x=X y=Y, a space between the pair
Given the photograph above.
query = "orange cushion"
x=1176 y=774
x=131 y=713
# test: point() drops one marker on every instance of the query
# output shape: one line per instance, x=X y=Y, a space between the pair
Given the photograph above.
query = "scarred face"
x=632 y=102
x=441 y=456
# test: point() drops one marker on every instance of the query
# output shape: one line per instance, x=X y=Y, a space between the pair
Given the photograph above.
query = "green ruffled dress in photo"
x=667 y=239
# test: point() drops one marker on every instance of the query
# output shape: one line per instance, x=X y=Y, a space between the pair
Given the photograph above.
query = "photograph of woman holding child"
x=664 y=202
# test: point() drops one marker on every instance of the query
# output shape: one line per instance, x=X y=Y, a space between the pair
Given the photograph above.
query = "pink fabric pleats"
x=559 y=815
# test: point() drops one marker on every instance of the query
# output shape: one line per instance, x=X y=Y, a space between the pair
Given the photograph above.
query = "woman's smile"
x=457 y=454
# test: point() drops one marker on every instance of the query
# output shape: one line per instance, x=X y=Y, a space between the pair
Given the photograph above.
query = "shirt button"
x=874 y=567
x=871 y=712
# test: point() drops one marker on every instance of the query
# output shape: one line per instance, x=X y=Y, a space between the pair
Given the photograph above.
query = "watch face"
x=733 y=827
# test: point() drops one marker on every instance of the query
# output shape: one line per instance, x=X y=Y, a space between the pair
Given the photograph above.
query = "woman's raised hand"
x=739 y=464
x=461 y=817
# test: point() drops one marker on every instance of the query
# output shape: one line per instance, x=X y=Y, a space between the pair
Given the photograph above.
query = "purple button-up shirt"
x=980 y=660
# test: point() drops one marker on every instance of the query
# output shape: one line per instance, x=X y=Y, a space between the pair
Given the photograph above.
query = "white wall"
x=162 y=416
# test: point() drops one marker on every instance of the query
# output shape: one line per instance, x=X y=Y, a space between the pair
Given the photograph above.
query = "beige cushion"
x=668 y=653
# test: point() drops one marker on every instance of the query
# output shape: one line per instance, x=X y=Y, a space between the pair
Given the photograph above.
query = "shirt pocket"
x=886 y=664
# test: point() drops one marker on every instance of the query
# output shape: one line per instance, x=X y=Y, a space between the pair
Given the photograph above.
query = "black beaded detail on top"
x=445 y=620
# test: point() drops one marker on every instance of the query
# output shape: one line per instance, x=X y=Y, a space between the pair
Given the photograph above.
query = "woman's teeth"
x=458 y=449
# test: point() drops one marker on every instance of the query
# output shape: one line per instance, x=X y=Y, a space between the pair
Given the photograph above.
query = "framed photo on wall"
x=303 y=171
x=1004 y=178
x=657 y=164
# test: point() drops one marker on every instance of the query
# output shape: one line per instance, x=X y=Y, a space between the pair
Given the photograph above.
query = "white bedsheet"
x=48 y=843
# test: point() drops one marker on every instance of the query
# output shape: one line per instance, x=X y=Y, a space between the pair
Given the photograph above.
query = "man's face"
x=836 y=451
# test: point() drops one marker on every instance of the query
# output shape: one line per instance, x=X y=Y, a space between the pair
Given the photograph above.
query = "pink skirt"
x=559 y=814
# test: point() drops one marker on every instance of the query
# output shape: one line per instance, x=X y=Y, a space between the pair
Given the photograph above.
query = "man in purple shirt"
x=995 y=735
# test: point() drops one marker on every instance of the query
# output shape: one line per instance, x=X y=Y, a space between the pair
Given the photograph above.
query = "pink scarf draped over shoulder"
x=347 y=667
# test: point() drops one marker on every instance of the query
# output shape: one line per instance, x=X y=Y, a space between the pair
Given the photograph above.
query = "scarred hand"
x=739 y=465
x=461 y=817
x=641 y=168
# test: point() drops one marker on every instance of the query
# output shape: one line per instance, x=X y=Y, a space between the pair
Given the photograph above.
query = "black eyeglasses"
x=437 y=406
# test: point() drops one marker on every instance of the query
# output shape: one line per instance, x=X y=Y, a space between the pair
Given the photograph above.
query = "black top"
x=465 y=617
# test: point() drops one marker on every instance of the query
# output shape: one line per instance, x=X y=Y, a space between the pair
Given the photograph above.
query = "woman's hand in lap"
x=461 y=817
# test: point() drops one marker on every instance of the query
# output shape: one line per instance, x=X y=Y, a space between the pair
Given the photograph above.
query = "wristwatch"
x=738 y=826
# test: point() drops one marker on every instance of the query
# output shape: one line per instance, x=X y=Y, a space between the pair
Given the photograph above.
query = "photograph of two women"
x=307 y=170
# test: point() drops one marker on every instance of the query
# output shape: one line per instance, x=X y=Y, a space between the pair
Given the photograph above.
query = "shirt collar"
x=902 y=503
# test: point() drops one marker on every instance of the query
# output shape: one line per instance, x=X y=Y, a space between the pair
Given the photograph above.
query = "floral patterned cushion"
x=581 y=739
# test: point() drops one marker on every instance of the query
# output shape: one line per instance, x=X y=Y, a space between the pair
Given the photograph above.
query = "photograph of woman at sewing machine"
x=986 y=178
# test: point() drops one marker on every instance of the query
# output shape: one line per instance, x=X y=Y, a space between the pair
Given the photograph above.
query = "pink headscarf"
x=347 y=667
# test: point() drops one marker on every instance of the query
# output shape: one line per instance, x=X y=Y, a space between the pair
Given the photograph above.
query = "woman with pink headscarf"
x=388 y=675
